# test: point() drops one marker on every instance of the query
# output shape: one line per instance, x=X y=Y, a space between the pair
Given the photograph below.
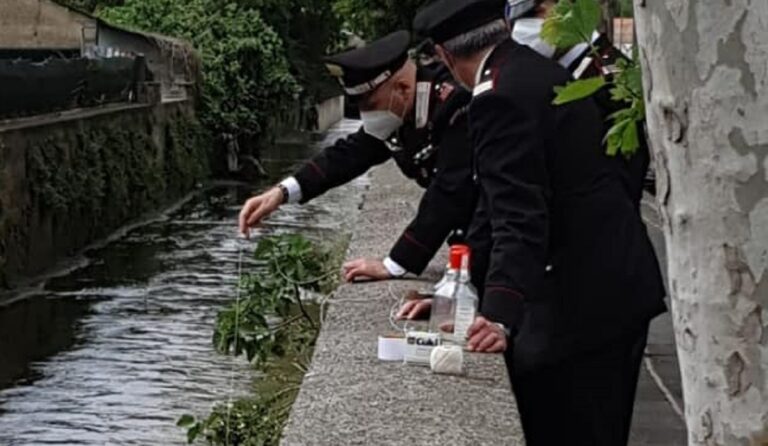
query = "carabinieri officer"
x=572 y=275
x=413 y=113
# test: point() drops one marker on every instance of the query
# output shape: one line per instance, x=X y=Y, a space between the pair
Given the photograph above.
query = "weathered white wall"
x=40 y=24
x=329 y=113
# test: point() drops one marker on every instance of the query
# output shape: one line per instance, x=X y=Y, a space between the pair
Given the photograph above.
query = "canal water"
x=113 y=352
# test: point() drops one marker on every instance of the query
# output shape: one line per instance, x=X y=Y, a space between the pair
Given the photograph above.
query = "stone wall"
x=40 y=24
x=329 y=112
x=349 y=397
x=69 y=179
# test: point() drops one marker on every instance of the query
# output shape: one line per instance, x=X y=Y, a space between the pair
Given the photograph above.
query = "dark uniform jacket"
x=586 y=66
x=432 y=148
x=571 y=265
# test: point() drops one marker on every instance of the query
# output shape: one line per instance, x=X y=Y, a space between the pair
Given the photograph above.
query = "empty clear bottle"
x=442 y=317
x=466 y=303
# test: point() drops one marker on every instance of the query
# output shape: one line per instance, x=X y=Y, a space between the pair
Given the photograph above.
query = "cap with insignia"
x=443 y=20
x=362 y=70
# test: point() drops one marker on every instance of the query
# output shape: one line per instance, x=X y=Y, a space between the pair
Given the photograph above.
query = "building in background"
x=40 y=30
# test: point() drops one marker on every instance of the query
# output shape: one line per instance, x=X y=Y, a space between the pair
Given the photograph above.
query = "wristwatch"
x=284 y=191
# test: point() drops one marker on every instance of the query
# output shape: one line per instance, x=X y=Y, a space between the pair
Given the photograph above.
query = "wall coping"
x=349 y=397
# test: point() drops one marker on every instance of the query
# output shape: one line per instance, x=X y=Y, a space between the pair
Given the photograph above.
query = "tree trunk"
x=705 y=69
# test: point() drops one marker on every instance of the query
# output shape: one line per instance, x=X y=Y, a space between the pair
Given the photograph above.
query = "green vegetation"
x=246 y=71
x=371 y=19
x=275 y=329
x=261 y=59
x=79 y=178
x=572 y=22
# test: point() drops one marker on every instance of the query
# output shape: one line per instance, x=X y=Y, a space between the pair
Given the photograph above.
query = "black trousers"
x=584 y=401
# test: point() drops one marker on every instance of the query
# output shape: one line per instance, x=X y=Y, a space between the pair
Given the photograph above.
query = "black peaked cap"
x=362 y=70
x=443 y=20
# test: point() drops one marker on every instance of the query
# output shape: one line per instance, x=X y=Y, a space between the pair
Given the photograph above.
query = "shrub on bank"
x=245 y=69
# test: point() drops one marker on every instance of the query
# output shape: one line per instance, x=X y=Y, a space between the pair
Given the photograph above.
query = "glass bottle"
x=466 y=303
x=442 y=315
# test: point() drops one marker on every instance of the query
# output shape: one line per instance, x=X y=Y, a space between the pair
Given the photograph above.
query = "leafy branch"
x=572 y=22
x=274 y=329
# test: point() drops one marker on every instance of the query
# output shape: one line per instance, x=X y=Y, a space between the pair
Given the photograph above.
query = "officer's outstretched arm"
x=340 y=163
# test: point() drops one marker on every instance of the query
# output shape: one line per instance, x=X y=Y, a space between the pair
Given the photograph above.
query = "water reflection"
x=114 y=352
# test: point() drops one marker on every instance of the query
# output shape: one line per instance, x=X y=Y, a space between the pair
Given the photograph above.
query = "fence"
x=29 y=88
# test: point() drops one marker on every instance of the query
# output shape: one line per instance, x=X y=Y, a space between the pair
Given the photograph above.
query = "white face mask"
x=381 y=124
x=528 y=32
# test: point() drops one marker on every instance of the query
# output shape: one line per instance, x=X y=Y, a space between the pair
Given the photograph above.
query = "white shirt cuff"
x=394 y=269
x=294 y=189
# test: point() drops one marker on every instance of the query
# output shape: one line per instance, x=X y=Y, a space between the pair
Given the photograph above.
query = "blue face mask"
x=528 y=32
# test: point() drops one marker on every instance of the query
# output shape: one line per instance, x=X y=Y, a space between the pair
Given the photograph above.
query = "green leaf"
x=193 y=433
x=614 y=137
x=186 y=420
x=571 y=22
x=576 y=90
x=630 y=141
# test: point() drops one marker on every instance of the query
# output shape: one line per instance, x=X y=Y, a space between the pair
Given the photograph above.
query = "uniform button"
x=548 y=268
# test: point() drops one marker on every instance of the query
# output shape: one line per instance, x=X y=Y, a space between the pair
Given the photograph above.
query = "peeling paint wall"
x=40 y=24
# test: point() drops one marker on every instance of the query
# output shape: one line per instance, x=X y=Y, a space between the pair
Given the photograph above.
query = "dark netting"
x=30 y=88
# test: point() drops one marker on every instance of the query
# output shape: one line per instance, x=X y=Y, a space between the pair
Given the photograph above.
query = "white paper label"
x=465 y=317
x=419 y=345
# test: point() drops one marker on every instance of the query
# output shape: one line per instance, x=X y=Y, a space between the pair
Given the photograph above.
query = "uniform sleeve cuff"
x=503 y=305
x=294 y=189
x=394 y=269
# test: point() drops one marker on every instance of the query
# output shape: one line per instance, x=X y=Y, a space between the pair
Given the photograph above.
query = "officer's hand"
x=414 y=309
x=486 y=337
x=259 y=207
x=365 y=268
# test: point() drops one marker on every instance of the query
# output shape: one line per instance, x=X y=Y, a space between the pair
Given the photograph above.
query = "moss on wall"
x=79 y=180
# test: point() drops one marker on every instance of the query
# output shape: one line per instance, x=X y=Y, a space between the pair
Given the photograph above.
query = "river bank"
x=126 y=348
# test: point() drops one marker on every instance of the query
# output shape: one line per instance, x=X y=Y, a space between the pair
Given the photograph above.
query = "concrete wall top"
x=349 y=397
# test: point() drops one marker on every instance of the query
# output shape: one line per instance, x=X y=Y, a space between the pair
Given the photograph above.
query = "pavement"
x=350 y=398
x=658 y=418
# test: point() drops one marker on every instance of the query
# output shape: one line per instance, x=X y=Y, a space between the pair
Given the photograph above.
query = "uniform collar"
x=481 y=67
x=577 y=51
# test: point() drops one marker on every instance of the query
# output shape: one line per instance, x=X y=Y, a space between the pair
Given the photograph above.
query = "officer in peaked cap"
x=571 y=273
x=417 y=116
x=526 y=19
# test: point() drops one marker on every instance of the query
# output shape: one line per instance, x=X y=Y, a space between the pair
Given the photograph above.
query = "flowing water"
x=113 y=352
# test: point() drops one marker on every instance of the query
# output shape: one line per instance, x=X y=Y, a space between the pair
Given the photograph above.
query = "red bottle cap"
x=456 y=253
